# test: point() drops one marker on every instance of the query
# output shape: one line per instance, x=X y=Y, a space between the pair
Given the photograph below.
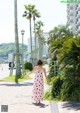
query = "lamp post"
x=22 y=32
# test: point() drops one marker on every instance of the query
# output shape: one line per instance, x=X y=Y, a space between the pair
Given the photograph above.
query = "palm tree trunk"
x=35 y=44
x=17 y=55
x=31 y=41
x=40 y=48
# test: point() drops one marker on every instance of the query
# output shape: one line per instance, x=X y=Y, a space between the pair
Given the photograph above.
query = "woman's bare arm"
x=45 y=73
x=32 y=70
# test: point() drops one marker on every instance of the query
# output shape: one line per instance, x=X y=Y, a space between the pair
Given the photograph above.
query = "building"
x=46 y=46
x=73 y=17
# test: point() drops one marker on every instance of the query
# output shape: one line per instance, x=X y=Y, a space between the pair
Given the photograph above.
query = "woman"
x=38 y=87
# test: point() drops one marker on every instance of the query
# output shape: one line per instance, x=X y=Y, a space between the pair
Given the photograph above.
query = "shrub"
x=76 y=95
x=56 y=86
x=47 y=95
x=28 y=66
x=71 y=86
x=70 y=92
x=51 y=69
x=55 y=89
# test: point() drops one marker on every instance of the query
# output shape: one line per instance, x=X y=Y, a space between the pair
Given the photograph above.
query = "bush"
x=28 y=66
x=47 y=95
x=70 y=90
x=76 y=95
x=56 y=85
x=55 y=90
x=51 y=69
x=71 y=86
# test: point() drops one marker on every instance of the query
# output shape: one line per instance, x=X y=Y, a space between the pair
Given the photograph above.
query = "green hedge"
x=28 y=66
x=56 y=85
x=55 y=89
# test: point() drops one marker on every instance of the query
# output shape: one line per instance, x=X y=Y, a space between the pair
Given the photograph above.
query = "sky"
x=53 y=13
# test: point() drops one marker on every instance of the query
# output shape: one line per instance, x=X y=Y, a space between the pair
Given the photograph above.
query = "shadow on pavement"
x=17 y=84
x=72 y=105
x=22 y=103
x=41 y=105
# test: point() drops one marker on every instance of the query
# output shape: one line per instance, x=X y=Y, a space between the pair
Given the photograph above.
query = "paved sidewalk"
x=65 y=107
x=18 y=98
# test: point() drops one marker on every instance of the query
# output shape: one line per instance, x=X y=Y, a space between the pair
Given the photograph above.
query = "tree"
x=39 y=34
x=60 y=31
x=28 y=14
x=56 y=39
x=18 y=69
x=36 y=14
x=69 y=58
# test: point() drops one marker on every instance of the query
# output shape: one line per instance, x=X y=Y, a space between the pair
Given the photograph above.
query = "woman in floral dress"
x=38 y=87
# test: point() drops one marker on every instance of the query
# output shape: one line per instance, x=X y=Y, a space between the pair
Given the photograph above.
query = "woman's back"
x=39 y=68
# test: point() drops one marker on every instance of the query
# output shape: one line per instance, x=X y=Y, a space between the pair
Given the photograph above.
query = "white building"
x=46 y=46
x=73 y=17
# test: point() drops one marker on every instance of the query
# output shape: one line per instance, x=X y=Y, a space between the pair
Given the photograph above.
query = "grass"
x=12 y=78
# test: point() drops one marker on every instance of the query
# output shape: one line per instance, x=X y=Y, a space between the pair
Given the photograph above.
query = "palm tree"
x=18 y=69
x=69 y=57
x=28 y=15
x=60 y=31
x=36 y=14
x=39 y=34
x=57 y=37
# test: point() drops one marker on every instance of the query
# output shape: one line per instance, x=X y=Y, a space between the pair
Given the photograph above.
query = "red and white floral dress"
x=38 y=88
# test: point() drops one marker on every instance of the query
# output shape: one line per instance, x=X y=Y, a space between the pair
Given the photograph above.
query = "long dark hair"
x=39 y=62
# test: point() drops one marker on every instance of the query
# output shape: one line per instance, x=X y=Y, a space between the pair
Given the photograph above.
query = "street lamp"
x=22 y=32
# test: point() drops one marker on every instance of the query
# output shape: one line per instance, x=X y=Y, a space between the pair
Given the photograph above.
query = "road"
x=4 y=71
